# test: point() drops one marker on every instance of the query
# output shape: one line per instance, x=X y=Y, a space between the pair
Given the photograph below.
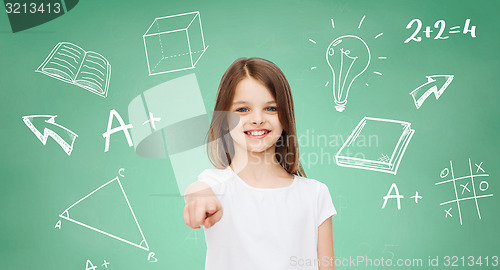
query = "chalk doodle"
x=431 y=86
x=105 y=264
x=348 y=57
x=396 y=196
x=152 y=120
x=63 y=136
x=394 y=193
x=440 y=25
x=90 y=266
x=416 y=197
x=393 y=139
x=467 y=193
x=174 y=43
x=122 y=128
x=69 y=63
x=97 y=202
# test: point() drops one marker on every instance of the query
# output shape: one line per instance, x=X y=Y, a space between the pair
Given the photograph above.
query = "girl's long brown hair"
x=220 y=148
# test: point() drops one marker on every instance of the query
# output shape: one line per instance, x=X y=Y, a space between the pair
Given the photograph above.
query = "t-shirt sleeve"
x=325 y=204
x=209 y=178
x=212 y=179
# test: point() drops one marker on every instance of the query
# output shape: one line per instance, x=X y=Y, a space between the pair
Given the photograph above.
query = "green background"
x=38 y=182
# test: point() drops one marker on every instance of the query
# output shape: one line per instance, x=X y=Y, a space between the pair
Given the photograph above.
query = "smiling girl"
x=258 y=209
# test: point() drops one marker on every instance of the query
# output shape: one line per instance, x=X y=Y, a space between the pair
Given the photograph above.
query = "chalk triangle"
x=107 y=210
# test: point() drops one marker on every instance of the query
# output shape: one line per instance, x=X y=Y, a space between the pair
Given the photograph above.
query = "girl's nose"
x=257 y=118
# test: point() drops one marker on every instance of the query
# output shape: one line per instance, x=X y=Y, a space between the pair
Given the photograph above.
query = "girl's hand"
x=202 y=208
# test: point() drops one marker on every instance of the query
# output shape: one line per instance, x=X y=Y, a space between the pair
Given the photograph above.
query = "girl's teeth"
x=257 y=133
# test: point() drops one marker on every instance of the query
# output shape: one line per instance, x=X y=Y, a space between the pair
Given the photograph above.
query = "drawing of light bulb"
x=348 y=57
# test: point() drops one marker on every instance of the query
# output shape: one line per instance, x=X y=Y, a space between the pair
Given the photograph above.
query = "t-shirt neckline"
x=257 y=188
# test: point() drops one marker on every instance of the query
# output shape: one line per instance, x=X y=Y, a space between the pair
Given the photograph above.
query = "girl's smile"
x=257 y=133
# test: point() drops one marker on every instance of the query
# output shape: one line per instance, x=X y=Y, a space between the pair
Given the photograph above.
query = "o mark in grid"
x=481 y=184
x=444 y=173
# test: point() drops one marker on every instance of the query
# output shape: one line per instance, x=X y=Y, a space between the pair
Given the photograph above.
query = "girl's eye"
x=271 y=109
x=242 y=110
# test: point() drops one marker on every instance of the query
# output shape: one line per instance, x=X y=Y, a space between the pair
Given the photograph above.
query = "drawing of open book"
x=69 y=63
x=385 y=154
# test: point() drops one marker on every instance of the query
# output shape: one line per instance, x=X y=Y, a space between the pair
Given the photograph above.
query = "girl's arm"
x=325 y=245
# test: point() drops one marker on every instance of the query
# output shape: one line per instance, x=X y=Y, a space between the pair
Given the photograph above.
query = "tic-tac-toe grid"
x=463 y=186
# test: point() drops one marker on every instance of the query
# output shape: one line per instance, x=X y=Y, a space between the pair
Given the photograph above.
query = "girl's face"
x=259 y=127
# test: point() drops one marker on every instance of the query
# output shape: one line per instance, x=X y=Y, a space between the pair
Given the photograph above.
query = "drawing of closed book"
x=69 y=63
x=376 y=144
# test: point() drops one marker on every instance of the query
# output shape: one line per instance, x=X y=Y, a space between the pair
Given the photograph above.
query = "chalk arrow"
x=431 y=86
x=52 y=129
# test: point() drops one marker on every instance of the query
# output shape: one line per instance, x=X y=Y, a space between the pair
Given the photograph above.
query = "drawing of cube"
x=174 y=43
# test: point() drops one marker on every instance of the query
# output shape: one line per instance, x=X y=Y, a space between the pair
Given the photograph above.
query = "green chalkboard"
x=420 y=121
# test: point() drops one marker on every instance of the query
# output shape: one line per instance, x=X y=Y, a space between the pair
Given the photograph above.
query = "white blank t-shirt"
x=263 y=229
